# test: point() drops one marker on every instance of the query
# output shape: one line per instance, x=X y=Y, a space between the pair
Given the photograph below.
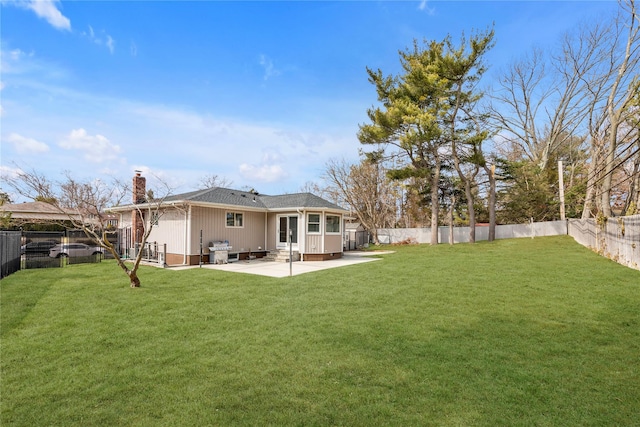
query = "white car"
x=73 y=250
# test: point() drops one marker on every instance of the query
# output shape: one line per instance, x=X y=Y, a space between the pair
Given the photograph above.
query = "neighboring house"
x=43 y=213
x=33 y=212
x=253 y=224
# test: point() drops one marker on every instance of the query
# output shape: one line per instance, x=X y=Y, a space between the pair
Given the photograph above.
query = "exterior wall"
x=333 y=243
x=313 y=244
x=322 y=243
x=170 y=230
x=271 y=231
x=212 y=222
x=125 y=220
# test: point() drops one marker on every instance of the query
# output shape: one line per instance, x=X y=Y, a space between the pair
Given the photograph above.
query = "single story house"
x=252 y=224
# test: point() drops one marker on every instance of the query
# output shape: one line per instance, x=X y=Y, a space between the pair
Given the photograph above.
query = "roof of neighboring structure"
x=247 y=199
x=41 y=211
x=35 y=212
x=30 y=207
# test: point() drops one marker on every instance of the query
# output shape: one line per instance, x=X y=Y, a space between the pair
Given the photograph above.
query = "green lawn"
x=517 y=332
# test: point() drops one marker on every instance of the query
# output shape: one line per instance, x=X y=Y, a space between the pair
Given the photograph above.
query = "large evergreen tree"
x=427 y=114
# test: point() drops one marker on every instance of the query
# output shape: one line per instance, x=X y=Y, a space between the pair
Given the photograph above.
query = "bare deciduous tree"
x=367 y=191
x=624 y=87
x=85 y=204
x=214 y=180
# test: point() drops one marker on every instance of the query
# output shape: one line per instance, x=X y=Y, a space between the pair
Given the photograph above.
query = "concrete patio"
x=282 y=269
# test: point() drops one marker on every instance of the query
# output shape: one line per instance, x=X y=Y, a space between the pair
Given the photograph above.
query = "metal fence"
x=9 y=252
x=23 y=250
x=151 y=252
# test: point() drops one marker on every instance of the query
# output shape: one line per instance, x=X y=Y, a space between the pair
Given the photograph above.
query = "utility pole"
x=561 y=186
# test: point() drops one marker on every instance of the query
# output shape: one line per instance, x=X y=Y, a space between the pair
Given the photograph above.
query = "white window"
x=313 y=223
x=332 y=224
x=234 y=219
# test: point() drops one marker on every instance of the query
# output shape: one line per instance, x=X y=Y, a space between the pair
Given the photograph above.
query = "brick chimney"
x=139 y=188
x=139 y=196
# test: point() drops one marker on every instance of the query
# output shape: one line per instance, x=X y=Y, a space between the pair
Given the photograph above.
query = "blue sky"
x=260 y=93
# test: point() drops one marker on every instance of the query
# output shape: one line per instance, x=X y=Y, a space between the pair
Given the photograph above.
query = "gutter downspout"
x=266 y=230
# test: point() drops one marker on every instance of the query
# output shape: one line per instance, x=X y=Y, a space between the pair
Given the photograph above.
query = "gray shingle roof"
x=298 y=200
x=227 y=196
x=222 y=196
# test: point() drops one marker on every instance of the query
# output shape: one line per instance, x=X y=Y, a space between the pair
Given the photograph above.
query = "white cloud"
x=269 y=69
x=16 y=62
x=23 y=145
x=102 y=39
x=110 y=43
x=424 y=6
x=96 y=148
x=45 y=9
x=262 y=173
x=133 y=48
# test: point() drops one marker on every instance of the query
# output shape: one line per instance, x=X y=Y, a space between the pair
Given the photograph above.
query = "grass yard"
x=517 y=333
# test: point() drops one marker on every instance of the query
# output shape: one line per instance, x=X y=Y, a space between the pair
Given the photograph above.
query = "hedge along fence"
x=461 y=234
x=616 y=238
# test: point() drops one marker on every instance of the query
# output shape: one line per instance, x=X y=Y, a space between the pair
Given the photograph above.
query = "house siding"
x=212 y=222
x=313 y=244
x=271 y=231
x=125 y=220
x=333 y=243
x=170 y=230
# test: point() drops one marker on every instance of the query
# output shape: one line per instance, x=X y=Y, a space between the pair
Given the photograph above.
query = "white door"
x=287 y=223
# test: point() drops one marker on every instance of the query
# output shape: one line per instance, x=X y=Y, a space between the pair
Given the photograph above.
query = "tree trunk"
x=472 y=211
x=605 y=197
x=491 y=171
x=133 y=277
x=591 y=191
x=435 y=200
x=453 y=203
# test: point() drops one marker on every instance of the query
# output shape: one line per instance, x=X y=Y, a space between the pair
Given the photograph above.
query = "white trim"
x=309 y=223
x=187 y=234
x=235 y=213
x=279 y=244
x=333 y=233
